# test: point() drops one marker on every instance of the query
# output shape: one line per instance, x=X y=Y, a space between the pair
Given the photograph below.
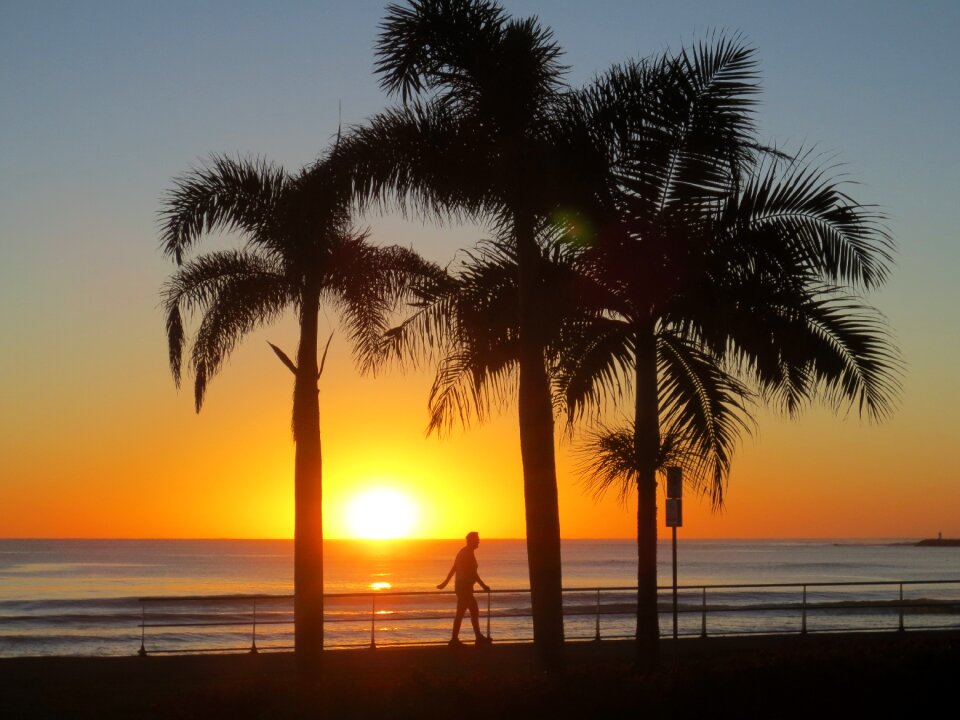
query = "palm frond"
x=855 y=360
x=470 y=385
x=688 y=133
x=476 y=372
x=425 y=333
x=176 y=338
x=799 y=340
x=418 y=157
x=466 y=318
x=228 y=194
x=805 y=208
x=607 y=459
x=234 y=292
x=426 y=41
x=367 y=283
x=284 y=358
x=594 y=364
x=703 y=409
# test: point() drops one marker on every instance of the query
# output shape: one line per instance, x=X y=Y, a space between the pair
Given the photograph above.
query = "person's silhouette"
x=465 y=568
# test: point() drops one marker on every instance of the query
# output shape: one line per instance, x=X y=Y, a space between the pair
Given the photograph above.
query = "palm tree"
x=724 y=266
x=299 y=250
x=478 y=135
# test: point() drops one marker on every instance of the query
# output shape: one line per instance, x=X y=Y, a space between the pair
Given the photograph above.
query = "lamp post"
x=674 y=520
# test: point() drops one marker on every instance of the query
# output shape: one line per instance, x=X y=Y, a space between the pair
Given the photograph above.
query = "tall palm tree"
x=477 y=135
x=723 y=263
x=299 y=251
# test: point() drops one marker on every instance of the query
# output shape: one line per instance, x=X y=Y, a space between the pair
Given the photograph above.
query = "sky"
x=102 y=104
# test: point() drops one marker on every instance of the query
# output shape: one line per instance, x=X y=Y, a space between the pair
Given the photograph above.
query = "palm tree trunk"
x=647 y=444
x=537 y=453
x=308 y=531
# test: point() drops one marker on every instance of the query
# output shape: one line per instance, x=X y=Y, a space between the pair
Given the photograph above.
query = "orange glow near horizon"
x=228 y=472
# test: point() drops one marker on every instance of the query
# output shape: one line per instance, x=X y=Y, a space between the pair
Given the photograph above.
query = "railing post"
x=373 y=622
x=597 y=634
x=901 y=607
x=803 y=621
x=703 y=617
x=488 y=616
x=253 y=645
x=143 y=624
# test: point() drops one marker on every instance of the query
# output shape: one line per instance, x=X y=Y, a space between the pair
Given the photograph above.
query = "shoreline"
x=751 y=676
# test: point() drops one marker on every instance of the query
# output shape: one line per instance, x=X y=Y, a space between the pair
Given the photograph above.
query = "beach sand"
x=793 y=676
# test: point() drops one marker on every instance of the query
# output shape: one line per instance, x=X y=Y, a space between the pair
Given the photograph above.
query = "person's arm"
x=483 y=584
x=442 y=585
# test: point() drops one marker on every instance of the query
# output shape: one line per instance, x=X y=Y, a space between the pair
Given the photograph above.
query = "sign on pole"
x=674 y=482
x=674 y=512
x=674 y=497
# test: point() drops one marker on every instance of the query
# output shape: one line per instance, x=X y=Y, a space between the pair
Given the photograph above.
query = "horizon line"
x=488 y=539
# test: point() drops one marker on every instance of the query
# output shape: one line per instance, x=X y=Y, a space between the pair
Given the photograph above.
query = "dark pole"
x=674 y=520
x=675 y=583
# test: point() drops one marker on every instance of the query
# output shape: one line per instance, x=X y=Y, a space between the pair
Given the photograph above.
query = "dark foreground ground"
x=809 y=676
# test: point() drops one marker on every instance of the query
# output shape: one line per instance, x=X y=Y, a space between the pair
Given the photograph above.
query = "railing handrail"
x=610 y=609
x=592 y=589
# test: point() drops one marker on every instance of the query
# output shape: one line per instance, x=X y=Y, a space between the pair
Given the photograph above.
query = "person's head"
x=473 y=539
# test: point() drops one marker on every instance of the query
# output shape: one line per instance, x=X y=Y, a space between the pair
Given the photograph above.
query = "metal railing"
x=590 y=613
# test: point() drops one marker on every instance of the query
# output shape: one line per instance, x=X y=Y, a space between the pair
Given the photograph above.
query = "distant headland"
x=939 y=541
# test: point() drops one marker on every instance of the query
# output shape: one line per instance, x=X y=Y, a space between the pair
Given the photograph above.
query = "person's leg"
x=475 y=617
x=458 y=618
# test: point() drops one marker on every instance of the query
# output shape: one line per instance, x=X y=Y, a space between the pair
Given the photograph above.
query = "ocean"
x=83 y=597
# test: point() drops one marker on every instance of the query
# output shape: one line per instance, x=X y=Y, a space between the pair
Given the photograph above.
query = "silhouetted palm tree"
x=477 y=135
x=723 y=263
x=299 y=251
x=464 y=320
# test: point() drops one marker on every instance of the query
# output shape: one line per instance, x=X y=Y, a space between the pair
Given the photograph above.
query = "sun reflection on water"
x=380 y=585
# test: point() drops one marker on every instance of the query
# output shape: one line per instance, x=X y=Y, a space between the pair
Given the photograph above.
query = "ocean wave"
x=68 y=603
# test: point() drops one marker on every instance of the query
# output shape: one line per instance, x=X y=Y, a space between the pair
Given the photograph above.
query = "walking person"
x=465 y=569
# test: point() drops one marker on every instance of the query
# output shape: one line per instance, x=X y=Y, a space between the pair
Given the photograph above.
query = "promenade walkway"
x=856 y=673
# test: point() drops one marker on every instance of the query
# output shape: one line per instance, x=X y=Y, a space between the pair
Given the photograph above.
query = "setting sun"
x=381 y=514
